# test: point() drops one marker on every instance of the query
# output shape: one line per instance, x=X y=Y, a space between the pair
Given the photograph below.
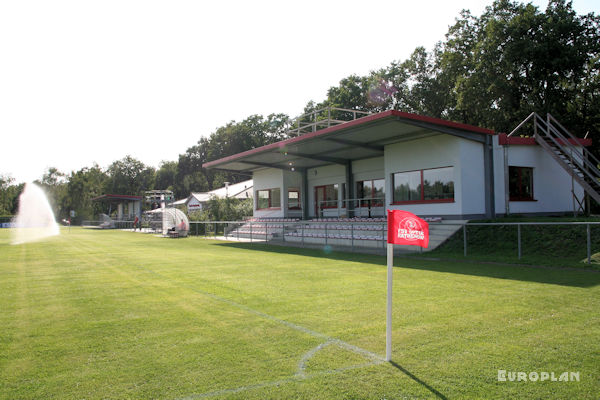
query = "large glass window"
x=262 y=199
x=438 y=184
x=520 y=183
x=268 y=198
x=426 y=185
x=371 y=192
x=407 y=186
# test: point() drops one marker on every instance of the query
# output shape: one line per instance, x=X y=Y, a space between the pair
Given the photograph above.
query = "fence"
x=117 y=224
x=297 y=233
x=502 y=241
x=514 y=239
x=527 y=239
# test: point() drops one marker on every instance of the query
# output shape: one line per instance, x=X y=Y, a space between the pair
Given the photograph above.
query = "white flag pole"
x=388 y=333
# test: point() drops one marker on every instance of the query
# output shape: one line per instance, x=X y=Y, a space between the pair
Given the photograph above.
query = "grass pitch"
x=107 y=314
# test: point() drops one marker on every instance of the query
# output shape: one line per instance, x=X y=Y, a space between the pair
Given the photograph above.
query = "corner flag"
x=406 y=229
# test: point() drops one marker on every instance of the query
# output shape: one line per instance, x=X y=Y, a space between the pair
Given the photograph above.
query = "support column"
x=488 y=165
x=304 y=193
x=349 y=189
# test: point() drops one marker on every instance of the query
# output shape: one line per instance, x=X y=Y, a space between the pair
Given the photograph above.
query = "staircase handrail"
x=573 y=137
x=522 y=123
x=579 y=159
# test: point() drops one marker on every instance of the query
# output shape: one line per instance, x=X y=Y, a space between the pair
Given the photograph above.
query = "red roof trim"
x=306 y=136
x=350 y=124
x=504 y=139
x=437 y=121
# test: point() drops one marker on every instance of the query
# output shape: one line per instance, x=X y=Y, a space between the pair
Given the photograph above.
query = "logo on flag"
x=407 y=229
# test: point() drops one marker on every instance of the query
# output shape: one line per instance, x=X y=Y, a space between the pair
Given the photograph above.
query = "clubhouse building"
x=428 y=166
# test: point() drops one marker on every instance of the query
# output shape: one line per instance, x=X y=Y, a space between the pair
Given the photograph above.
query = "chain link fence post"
x=519 y=240
x=465 y=240
x=589 y=244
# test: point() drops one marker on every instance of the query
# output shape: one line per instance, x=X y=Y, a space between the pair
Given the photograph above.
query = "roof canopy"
x=355 y=140
x=116 y=198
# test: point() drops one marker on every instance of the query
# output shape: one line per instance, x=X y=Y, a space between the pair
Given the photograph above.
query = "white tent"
x=173 y=221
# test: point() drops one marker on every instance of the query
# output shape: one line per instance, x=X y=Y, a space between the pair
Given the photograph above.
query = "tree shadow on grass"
x=583 y=278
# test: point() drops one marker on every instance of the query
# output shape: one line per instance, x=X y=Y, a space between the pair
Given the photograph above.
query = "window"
x=326 y=196
x=373 y=191
x=424 y=186
x=268 y=198
x=520 y=183
x=293 y=199
x=438 y=184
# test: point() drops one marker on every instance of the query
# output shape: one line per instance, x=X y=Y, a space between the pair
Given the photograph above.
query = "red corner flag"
x=408 y=229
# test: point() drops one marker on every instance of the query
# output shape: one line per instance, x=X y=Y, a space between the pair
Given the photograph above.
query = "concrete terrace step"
x=341 y=233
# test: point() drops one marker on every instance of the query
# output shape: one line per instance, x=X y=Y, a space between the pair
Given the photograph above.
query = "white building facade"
x=395 y=160
x=197 y=201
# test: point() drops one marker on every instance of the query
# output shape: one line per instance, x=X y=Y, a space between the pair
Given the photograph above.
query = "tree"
x=492 y=71
x=9 y=195
x=129 y=176
x=166 y=175
x=54 y=184
x=515 y=59
x=83 y=186
x=233 y=138
x=227 y=209
x=189 y=169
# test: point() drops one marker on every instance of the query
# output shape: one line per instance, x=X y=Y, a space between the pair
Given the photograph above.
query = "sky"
x=84 y=82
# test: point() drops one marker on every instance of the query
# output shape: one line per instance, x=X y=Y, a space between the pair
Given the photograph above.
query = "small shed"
x=127 y=206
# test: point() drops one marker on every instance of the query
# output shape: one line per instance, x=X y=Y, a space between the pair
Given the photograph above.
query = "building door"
x=325 y=197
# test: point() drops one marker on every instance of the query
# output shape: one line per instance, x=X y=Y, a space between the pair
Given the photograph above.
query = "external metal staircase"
x=568 y=152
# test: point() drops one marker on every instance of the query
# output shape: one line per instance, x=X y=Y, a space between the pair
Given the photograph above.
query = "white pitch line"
x=307 y=356
x=291 y=325
x=295 y=378
x=300 y=375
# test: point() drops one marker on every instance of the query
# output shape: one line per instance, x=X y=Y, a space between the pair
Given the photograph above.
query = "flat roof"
x=354 y=140
x=116 y=197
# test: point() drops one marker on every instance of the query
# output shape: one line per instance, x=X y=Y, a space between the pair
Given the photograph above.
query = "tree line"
x=490 y=70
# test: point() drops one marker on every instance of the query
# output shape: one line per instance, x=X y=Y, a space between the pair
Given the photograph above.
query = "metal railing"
x=323 y=118
x=358 y=234
x=359 y=207
x=118 y=224
x=567 y=150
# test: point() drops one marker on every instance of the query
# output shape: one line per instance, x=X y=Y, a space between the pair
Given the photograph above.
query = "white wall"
x=551 y=183
x=269 y=178
x=327 y=175
x=434 y=152
x=472 y=178
x=194 y=205
x=291 y=180
x=370 y=168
